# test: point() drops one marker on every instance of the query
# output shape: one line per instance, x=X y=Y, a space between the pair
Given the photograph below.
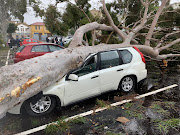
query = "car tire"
x=43 y=106
x=127 y=84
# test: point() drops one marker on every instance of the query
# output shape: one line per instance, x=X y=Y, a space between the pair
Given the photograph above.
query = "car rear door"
x=39 y=50
x=53 y=48
x=112 y=69
x=88 y=83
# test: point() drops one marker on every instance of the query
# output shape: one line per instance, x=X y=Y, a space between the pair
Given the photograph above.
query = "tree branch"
x=150 y=33
x=169 y=45
x=140 y=26
x=78 y=35
x=167 y=56
x=163 y=38
x=116 y=29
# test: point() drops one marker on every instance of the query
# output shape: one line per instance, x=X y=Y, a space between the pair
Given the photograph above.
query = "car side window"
x=126 y=56
x=34 y=41
x=40 y=48
x=28 y=40
x=54 y=48
x=88 y=67
x=109 y=59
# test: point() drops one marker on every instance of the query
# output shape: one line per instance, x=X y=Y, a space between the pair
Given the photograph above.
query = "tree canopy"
x=11 y=28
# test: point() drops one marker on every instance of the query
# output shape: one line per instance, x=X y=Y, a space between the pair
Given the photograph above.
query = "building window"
x=39 y=27
x=22 y=29
x=36 y=27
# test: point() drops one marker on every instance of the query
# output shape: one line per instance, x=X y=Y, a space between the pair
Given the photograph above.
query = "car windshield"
x=20 y=48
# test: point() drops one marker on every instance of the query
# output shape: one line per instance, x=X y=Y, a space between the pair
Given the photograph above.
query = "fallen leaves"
x=123 y=120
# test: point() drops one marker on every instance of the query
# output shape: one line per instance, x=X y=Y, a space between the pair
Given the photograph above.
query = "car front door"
x=88 y=83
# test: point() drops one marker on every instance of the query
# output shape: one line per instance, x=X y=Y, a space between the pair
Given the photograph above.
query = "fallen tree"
x=20 y=81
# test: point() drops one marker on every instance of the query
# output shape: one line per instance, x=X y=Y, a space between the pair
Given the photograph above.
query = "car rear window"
x=54 y=48
x=40 y=48
x=126 y=56
x=20 y=48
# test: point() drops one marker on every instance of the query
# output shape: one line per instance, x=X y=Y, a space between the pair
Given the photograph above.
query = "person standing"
x=12 y=42
x=47 y=39
x=9 y=42
x=61 y=42
x=17 y=42
x=56 y=40
x=52 y=40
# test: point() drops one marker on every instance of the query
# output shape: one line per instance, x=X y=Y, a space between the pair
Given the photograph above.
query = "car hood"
x=60 y=85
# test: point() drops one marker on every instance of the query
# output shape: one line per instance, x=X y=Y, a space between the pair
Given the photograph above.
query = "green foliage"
x=72 y=18
x=11 y=28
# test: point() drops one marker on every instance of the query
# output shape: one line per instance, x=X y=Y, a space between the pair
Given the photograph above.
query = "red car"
x=29 y=51
x=29 y=41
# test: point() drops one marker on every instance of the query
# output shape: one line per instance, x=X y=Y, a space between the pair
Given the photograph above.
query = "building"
x=22 y=30
x=39 y=31
x=96 y=13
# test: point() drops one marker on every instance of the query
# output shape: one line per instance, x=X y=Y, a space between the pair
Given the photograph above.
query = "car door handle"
x=119 y=70
x=95 y=76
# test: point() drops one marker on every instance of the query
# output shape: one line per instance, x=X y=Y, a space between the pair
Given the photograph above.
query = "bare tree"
x=20 y=81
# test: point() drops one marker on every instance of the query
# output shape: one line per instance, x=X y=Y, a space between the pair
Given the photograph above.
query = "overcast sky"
x=30 y=17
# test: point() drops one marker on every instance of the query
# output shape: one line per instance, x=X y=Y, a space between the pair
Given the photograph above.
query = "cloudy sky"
x=30 y=17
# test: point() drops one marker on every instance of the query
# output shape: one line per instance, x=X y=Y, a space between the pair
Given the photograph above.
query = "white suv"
x=120 y=69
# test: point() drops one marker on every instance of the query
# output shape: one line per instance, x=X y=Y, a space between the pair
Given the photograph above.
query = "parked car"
x=120 y=69
x=67 y=39
x=29 y=41
x=29 y=51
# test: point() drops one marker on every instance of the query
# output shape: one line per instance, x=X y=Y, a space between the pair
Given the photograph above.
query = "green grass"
x=51 y=129
x=101 y=103
x=134 y=114
x=112 y=133
x=63 y=126
x=169 y=105
x=164 y=125
x=35 y=122
x=79 y=120
x=156 y=106
x=128 y=105
x=3 y=49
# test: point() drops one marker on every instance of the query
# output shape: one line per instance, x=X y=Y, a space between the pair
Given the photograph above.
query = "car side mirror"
x=73 y=77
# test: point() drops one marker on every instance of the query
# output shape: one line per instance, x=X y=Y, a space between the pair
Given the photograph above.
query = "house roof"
x=22 y=24
x=38 y=23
